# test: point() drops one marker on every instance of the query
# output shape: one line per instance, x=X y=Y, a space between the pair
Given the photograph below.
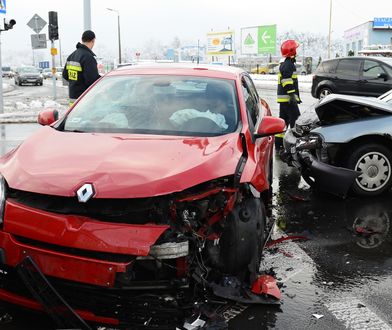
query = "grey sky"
x=162 y=20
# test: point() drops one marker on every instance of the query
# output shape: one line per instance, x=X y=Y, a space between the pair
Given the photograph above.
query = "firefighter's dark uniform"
x=287 y=84
x=80 y=70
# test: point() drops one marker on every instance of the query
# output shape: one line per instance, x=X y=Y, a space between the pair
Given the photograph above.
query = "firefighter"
x=81 y=69
x=288 y=92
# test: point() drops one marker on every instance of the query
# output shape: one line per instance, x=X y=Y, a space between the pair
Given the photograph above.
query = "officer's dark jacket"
x=80 y=70
x=287 y=81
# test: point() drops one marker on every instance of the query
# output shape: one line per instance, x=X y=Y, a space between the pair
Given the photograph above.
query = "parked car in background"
x=366 y=76
x=343 y=144
x=28 y=75
x=263 y=68
x=299 y=68
x=154 y=188
x=7 y=72
x=59 y=72
x=47 y=73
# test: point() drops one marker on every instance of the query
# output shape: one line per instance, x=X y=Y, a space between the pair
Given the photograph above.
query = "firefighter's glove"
x=293 y=99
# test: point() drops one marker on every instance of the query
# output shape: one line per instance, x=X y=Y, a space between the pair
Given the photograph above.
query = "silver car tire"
x=374 y=161
x=324 y=91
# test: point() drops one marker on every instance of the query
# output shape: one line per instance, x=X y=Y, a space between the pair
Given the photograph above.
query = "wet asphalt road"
x=342 y=271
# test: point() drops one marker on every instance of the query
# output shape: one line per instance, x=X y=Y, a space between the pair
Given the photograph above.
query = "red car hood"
x=119 y=166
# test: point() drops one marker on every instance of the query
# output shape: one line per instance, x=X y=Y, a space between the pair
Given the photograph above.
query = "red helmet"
x=289 y=48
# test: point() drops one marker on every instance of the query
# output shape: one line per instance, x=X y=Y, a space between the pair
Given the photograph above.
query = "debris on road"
x=318 y=316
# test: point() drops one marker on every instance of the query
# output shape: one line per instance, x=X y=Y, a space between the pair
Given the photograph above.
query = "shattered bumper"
x=325 y=177
x=102 y=304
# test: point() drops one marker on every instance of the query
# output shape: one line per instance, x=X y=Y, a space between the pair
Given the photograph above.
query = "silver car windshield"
x=157 y=104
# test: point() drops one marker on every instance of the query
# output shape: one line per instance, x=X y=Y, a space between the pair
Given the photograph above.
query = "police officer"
x=81 y=68
x=288 y=92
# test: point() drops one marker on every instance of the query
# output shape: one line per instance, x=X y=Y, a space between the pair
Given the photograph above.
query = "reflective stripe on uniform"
x=291 y=91
x=286 y=98
x=74 y=67
x=287 y=81
x=283 y=98
x=280 y=135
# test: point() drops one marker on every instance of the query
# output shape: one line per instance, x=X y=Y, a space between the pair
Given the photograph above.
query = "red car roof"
x=203 y=70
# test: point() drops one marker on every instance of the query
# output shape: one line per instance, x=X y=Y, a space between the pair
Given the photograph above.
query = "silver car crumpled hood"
x=336 y=108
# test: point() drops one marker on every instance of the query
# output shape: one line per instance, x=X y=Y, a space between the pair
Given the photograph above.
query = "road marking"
x=355 y=315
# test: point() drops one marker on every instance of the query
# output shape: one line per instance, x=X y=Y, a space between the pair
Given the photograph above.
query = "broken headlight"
x=309 y=142
x=197 y=205
x=3 y=188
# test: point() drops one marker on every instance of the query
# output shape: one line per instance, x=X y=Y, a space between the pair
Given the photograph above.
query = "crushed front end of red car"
x=129 y=226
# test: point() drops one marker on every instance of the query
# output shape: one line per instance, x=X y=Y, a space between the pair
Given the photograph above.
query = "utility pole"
x=330 y=29
x=87 y=15
x=5 y=24
x=118 y=32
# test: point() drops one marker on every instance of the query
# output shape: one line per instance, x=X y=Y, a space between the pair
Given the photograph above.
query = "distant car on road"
x=59 y=72
x=7 y=72
x=28 y=75
x=299 y=68
x=47 y=73
x=366 y=76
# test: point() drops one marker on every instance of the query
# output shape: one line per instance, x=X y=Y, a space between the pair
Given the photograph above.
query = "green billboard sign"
x=267 y=39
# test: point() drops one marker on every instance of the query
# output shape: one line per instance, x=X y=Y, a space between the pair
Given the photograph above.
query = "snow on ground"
x=7 y=87
x=20 y=112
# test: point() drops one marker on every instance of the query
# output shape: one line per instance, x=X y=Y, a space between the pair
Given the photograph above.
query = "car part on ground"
x=344 y=145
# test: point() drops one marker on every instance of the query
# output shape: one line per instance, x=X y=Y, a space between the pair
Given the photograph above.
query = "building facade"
x=372 y=33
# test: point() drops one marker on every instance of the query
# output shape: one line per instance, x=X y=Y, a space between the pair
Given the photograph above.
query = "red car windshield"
x=157 y=104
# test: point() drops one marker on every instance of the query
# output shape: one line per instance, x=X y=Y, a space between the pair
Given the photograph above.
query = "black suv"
x=367 y=76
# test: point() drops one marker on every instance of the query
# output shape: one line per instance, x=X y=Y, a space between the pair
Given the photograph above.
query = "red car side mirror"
x=270 y=126
x=48 y=116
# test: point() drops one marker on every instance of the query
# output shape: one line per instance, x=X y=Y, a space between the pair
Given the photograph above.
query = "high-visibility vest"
x=287 y=81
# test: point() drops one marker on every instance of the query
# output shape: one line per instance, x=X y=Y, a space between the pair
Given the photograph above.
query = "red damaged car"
x=149 y=193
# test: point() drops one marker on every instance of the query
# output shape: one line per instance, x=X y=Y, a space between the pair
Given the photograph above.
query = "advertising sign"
x=220 y=43
x=267 y=39
x=249 y=40
x=258 y=40
x=382 y=23
x=3 y=7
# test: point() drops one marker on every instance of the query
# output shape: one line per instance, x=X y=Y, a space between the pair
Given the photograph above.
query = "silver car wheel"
x=376 y=171
x=324 y=92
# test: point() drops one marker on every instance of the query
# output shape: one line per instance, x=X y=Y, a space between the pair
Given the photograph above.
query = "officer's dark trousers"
x=289 y=113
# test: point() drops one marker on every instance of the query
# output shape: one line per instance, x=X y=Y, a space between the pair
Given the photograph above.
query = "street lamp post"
x=118 y=31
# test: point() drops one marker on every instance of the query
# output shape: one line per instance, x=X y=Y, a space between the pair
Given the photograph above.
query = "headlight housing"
x=3 y=190
x=309 y=142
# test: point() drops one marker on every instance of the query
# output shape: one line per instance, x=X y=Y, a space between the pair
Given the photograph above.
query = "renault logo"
x=85 y=192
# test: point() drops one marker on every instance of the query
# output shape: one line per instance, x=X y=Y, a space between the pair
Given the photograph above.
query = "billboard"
x=382 y=23
x=258 y=40
x=220 y=43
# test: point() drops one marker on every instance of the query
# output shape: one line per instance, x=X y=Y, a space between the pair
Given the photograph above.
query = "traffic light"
x=8 y=24
x=53 y=26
